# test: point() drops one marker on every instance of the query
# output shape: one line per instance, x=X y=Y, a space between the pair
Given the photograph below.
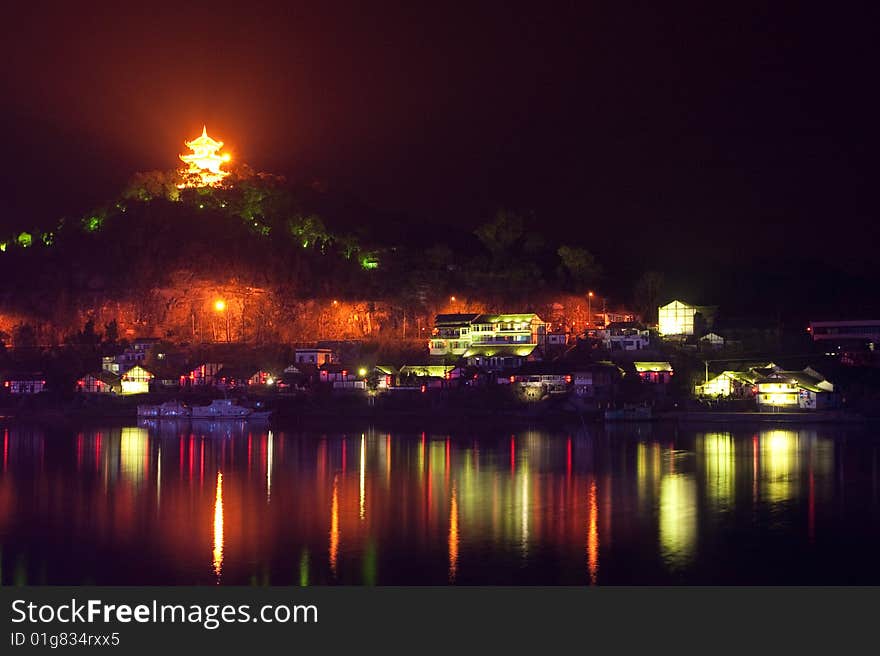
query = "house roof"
x=429 y=370
x=502 y=350
x=652 y=366
x=803 y=379
x=137 y=366
x=454 y=319
x=501 y=318
x=386 y=369
x=238 y=372
x=107 y=377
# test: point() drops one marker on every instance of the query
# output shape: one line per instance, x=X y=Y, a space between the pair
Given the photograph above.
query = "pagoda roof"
x=204 y=141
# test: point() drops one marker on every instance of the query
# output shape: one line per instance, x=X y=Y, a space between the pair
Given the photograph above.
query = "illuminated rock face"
x=203 y=165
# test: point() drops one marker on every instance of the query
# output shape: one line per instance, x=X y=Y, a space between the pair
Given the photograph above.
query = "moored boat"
x=629 y=413
x=221 y=409
x=169 y=409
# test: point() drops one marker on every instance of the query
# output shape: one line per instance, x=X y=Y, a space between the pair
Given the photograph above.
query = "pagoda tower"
x=203 y=164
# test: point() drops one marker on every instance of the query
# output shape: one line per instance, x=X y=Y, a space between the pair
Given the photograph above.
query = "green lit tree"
x=578 y=266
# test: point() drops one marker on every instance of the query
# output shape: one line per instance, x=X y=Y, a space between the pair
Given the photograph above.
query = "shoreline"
x=442 y=417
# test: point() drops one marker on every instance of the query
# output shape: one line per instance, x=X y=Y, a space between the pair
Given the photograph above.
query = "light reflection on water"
x=224 y=503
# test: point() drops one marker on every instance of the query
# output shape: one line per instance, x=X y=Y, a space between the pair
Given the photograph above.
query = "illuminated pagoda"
x=204 y=163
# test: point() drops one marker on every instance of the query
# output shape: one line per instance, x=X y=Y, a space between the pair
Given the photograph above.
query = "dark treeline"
x=260 y=231
x=307 y=243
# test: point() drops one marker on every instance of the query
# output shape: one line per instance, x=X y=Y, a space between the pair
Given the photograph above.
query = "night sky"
x=713 y=132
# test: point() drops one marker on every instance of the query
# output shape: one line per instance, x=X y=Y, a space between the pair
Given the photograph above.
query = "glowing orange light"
x=453 y=536
x=218 y=526
x=203 y=164
x=593 y=535
x=334 y=526
x=219 y=305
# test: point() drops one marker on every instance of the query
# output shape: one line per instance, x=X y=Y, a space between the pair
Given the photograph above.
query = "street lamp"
x=589 y=309
x=220 y=306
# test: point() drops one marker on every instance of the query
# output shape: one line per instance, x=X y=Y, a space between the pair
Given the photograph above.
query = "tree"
x=24 y=336
x=87 y=336
x=578 y=265
x=500 y=234
x=111 y=332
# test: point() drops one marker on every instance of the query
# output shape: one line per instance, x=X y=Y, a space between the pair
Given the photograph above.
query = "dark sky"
x=649 y=132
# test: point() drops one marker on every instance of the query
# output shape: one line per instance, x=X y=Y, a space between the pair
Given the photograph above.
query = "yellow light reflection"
x=720 y=466
x=334 y=526
x=593 y=534
x=133 y=452
x=779 y=462
x=453 y=536
x=218 y=527
x=678 y=519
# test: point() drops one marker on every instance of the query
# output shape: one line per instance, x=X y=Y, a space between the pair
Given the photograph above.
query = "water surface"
x=228 y=504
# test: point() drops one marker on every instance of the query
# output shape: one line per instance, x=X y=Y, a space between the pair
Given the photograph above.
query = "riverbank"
x=806 y=417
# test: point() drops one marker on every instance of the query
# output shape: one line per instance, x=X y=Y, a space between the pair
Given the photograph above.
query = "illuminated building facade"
x=136 y=381
x=804 y=390
x=204 y=163
x=658 y=373
x=100 y=382
x=204 y=374
x=729 y=384
x=452 y=334
x=482 y=337
x=680 y=319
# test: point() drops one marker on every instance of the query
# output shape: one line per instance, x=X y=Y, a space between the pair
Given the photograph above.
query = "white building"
x=625 y=337
x=678 y=319
x=315 y=356
x=487 y=335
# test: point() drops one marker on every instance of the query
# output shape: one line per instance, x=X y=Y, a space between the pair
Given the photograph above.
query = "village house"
x=167 y=376
x=654 y=373
x=230 y=377
x=431 y=375
x=677 y=319
x=99 y=382
x=387 y=376
x=136 y=381
x=485 y=336
x=629 y=336
x=24 y=383
x=738 y=382
x=712 y=341
x=341 y=377
x=804 y=390
x=451 y=335
x=538 y=380
x=595 y=381
x=315 y=356
x=203 y=375
x=729 y=384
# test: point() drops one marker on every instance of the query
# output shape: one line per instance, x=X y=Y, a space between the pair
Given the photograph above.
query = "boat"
x=169 y=410
x=629 y=413
x=218 y=409
x=223 y=409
